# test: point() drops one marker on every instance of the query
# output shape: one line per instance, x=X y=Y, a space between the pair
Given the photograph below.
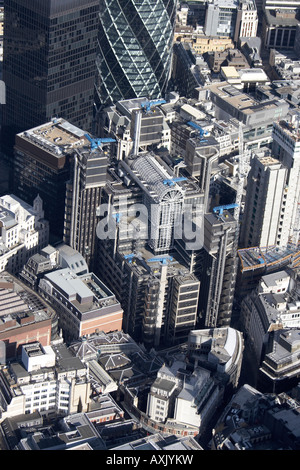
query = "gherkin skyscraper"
x=135 y=49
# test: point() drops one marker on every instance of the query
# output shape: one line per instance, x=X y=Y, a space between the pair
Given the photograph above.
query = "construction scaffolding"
x=267 y=257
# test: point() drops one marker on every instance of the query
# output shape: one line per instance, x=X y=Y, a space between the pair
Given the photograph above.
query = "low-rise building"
x=84 y=303
x=23 y=231
x=76 y=432
x=280 y=365
x=50 y=259
x=159 y=442
x=227 y=58
x=258 y=421
x=179 y=397
x=24 y=317
x=218 y=349
x=273 y=305
x=105 y=410
x=48 y=379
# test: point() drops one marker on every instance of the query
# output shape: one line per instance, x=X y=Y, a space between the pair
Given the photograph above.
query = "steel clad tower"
x=49 y=62
x=135 y=48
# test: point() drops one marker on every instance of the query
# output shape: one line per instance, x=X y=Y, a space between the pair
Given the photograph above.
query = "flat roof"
x=57 y=137
x=230 y=72
x=256 y=257
x=241 y=100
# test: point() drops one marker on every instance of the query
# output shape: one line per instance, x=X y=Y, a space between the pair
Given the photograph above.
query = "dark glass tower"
x=135 y=49
x=49 y=61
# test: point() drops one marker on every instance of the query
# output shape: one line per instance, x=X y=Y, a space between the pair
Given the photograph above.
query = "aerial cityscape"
x=150 y=227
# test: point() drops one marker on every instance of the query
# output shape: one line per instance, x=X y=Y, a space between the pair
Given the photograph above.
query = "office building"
x=73 y=432
x=279 y=23
x=280 y=364
x=258 y=421
x=185 y=70
x=23 y=231
x=256 y=262
x=251 y=48
x=49 y=259
x=24 y=317
x=133 y=258
x=159 y=442
x=228 y=58
x=84 y=304
x=134 y=50
x=273 y=305
x=220 y=18
x=264 y=223
x=257 y=114
x=67 y=167
x=183 y=397
x=217 y=349
x=136 y=125
x=218 y=268
x=49 y=62
x=285 y=148
x=246 y=21
x=48 y=379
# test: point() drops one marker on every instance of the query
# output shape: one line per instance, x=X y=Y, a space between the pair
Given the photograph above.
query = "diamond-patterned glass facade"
x=135 y=46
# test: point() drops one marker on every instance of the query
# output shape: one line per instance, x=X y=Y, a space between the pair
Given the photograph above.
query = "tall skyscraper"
x=49 y=62
x=265 y=204
x=158 y=293
x=135 y=45
x=67 y=168
x=272 y=205
x=219 y=266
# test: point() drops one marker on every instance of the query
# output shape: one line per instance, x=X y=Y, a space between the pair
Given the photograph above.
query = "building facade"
x=49 y=62
x=263 y=224
x=84 y=304
x=247 y=20
x=48 y=379
x=67 y=167
x=135 y=46
x=220 y=18
x=24 y=317
x=23 y=231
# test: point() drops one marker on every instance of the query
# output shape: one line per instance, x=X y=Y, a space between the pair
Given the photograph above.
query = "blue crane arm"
x=162 y=259
x=220 y=209
x=199 y=128
x=98 y=142
x=172 y=181
x=147 y=105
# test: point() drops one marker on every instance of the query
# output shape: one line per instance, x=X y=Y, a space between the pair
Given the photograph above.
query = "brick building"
x=24 y=317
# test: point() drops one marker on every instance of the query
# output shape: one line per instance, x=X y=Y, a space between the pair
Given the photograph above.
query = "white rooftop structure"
x=23 y=231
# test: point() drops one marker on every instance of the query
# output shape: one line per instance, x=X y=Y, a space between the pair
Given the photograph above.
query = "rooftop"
x=290 y=129
x=159 y=442
x=85 y=292
x=57 y=137
x=241 y=100
x=257 y=258
x=19 y=304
